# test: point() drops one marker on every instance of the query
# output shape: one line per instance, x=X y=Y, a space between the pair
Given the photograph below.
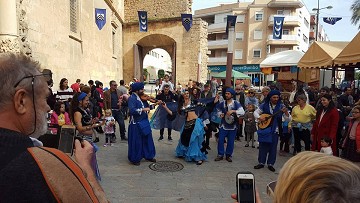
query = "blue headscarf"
x=230 y=90
x=81 y=96
x=137 y=86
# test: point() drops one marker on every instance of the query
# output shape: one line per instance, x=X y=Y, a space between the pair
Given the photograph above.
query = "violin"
x=146 y=97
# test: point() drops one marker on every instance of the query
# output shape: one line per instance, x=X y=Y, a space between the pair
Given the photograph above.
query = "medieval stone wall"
x=156 y=9
x=188 y=46
x=87 y=54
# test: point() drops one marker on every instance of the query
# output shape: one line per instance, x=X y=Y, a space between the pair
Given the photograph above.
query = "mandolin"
x=268 y=118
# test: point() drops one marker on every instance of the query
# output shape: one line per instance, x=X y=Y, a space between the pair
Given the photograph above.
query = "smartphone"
x=245 y=185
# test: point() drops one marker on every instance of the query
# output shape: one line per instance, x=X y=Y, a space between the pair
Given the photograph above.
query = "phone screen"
x=246 y=193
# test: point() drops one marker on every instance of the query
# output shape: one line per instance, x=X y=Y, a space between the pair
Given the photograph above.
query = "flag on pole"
x=278 y=27
x=331 y=20
x=187 y=21
x=143 y=21
x=100 y=17
x=231 y=21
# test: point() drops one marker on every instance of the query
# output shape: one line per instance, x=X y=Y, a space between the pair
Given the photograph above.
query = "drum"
x=231 y=119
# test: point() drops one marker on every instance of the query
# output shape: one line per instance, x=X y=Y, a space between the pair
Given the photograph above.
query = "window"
x=257 y=34
x=259 y=15
x=74 y=13
x=305 y=38
x=283 y=12
x=239 y=36
x=225 y=37
x=306 y=22
x=240 y=19
x=113 y=41
x=277 y=50
x=257 y=53
x=286 y=32
x=225 y=19
x=238 y=54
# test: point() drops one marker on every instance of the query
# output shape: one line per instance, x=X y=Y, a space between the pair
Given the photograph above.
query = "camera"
x=245 y=187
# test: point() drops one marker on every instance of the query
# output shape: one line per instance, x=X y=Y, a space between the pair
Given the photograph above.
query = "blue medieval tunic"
x=141 y=144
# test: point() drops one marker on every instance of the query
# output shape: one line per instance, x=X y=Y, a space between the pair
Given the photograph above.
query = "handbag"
x=265 y=135
x=144 y=127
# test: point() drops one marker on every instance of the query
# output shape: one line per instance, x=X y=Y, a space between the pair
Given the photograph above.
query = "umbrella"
x=234 y=74
x=284 y=58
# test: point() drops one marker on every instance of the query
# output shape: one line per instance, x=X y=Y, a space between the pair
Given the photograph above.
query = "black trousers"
x=162 y=131
x=303 y=135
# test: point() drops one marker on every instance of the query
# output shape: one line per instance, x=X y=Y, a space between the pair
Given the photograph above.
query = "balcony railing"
x=286 y=3
x=217 y=59
x=288 y=21
x=217 y=27
x=285 y=40
x=217 y=44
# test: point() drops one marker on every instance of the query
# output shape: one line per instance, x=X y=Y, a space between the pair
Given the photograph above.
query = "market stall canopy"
x=321 y=54
x=350 y=55
x=281 y=59
x=234 y=74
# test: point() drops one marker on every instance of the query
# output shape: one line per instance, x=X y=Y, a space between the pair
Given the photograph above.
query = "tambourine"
x=231 y=119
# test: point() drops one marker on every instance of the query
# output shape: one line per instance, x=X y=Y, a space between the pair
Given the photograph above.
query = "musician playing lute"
x=228 y=110
x=268 y=137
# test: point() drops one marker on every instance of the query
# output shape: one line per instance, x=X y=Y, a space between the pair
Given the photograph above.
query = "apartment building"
x=253 y=40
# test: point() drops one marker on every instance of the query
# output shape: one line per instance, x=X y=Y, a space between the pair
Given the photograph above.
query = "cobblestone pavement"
x=210 y=182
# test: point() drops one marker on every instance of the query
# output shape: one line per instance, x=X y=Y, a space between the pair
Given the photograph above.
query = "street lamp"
x=317 y=18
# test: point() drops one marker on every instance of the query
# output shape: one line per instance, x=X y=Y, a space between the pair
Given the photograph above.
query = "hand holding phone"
x=245 y=184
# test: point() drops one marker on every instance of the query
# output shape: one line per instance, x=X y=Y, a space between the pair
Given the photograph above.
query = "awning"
x=234 y=74
x=281 y=59
x=350 y=55
x=321 y=54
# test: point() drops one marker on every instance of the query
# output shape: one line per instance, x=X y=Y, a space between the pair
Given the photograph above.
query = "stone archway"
x=146 y=44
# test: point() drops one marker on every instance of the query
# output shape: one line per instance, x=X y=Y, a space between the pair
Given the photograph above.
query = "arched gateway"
x=165 y=30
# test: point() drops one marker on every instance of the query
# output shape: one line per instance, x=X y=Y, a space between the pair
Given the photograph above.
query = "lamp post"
x=229 y=56
x=317 y=18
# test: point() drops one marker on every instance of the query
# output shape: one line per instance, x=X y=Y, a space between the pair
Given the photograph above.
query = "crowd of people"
x=196 y=111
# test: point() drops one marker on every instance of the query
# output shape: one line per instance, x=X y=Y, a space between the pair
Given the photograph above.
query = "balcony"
x=217 y=61
x=286 y=40
x=218 y=44
x=217 y=28
x=286 y=3
x=294 y=21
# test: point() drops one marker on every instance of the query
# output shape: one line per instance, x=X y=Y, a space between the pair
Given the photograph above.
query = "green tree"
x=161 y=73
x=355 y=8
x=145 y=73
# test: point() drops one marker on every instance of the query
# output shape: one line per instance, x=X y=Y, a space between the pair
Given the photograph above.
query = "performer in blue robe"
x=268 y=137
x=192 y=132
x=140 y=140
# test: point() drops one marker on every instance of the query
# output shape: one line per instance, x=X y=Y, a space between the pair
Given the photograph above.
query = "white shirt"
x=326 y=150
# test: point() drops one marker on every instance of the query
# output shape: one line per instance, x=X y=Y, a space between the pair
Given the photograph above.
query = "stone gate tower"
x=165 y=30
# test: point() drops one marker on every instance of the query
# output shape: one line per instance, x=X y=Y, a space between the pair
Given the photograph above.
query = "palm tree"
x=355 y=8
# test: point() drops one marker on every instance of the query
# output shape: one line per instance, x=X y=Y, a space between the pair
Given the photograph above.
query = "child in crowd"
x=59 y=116
x=285 y=138
x=250 y=125
x=326 y=145
x=109 y=127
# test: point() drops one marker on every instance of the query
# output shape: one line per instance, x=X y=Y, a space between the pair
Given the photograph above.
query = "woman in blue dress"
x=192 y=133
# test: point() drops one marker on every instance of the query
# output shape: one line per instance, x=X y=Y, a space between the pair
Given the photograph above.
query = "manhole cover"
x=166 y=166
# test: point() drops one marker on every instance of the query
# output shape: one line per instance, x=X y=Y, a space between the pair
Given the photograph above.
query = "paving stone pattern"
x=210 y=182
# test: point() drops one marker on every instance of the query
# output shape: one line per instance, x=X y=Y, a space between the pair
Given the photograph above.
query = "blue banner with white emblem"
x=186 y=21
x=143 y=21
x=278 y=27
x=100 y=17
x=331 y=20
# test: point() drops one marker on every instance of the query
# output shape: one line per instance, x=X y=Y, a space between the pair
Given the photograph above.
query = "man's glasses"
x=46 y=73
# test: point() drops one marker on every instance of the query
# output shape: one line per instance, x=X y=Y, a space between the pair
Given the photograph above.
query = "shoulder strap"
x=63 y=176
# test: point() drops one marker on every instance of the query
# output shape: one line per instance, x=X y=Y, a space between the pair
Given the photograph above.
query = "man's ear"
x=21 y=101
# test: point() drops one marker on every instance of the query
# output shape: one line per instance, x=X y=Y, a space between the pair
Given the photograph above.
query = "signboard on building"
x=240 y=68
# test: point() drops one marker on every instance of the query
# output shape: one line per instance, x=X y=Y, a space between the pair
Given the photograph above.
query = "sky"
x=343 y=30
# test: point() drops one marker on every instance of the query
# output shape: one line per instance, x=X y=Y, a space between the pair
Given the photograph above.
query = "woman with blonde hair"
x=313 y=177
x=317 y=177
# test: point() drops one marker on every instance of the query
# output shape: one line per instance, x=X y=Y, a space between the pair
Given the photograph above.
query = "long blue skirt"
x=193 y=151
